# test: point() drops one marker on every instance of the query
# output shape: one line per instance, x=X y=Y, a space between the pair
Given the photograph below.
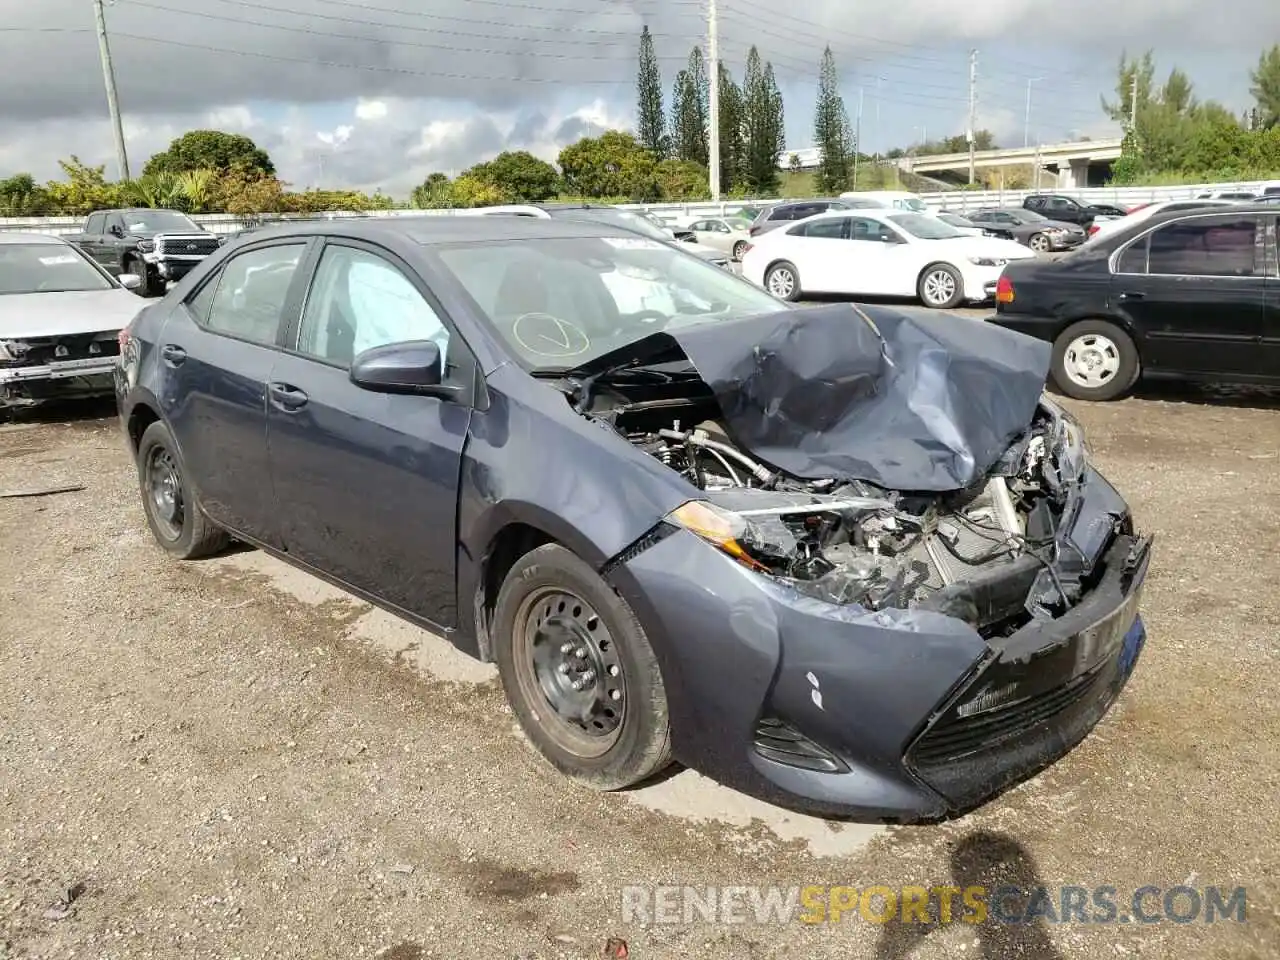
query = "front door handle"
x=1130 y=295
x=287 y=397
x=173 y=354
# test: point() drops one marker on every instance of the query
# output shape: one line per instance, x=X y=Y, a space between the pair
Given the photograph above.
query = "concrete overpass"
x=1077 y=164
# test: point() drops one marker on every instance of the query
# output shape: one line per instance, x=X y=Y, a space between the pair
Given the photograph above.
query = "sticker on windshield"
x=59 y=260
x=632 y=243
x=135 y=227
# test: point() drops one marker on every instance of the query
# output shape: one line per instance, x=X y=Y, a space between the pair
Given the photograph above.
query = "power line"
x=364 y=67
x=289 y=28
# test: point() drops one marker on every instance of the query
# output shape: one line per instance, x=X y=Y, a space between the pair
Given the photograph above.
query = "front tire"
x=1095 y=360
x=1039 y=242
x=579 y=673
x=783 y=281
x=941 y=287
x=173 y=513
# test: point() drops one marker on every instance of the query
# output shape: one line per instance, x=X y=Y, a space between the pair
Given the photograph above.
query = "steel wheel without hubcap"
x=1091 y=360
x=939 y=288
x=782 y=282
x=164 y=488
x=566 y=658
x=1039 y=243
x=739 y=249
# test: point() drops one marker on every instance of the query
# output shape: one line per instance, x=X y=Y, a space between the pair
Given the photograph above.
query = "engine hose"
x=761 y=473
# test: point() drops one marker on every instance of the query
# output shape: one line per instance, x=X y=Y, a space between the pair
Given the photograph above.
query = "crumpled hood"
x=816 y=391
x=29 y=315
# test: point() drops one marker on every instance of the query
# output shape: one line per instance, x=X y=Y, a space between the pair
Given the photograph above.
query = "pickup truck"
x=155 y=245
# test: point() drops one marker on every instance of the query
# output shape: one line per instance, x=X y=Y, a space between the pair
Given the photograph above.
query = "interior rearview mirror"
x=130 y=281
x=415 y=366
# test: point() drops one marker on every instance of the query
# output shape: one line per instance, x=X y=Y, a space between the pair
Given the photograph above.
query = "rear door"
x=1196 y=289
x=820 y=252
x=367 y=483
x=217 y=349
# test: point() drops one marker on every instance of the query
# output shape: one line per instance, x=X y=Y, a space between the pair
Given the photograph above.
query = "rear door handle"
x=173 y=355
x=287 y=397
x=1129 y=295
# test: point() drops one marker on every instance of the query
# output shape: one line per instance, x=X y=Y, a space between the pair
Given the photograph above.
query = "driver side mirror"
x=130 y=281
x=414 y=367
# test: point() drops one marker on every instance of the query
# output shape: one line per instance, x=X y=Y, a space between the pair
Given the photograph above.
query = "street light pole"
x=1026 y=131
x=713 y=100
x=113 y=100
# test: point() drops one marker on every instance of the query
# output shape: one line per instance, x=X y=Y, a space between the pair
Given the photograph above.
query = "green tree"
x=1265 y=78
x=21 y=196
x=519 y=176
x=84 y=190
x=732 y=132
x=689 y=111
x=650 y=121
x=682 y=180
x=613 y=165
x=763 y=125
x=433 y=193
x=211 y=150
x=831 y=132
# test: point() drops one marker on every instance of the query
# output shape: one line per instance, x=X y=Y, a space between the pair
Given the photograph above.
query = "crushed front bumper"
x=896 y=715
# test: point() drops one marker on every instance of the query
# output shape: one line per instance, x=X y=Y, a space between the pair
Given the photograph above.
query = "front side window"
x=358 y=301
x=47 y=268
x=864 y=228
x=1222 y=246
x=251 y=292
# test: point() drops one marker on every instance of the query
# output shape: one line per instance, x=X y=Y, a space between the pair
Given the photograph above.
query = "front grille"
x=955 y=736
x=44 y=350
x=186 y=246
x=780 y=742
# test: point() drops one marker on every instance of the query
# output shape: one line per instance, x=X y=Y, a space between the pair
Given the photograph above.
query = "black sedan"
x=810 y=552
x=1190 y=294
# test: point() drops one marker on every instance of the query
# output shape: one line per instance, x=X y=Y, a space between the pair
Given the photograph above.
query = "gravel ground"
x=226 y=759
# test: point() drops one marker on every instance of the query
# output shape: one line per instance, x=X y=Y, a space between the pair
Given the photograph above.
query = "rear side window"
x=1134 y=257
x=251 y=292
x=1207 y=247
x=833 y=229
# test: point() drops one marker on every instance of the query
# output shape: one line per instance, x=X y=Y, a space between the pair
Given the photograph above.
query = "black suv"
x=1069 y=210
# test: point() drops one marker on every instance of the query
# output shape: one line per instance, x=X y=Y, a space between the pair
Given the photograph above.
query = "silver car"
x=60 y=318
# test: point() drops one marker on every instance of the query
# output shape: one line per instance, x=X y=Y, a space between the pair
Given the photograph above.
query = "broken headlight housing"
x=11 y=350
x=721 y=528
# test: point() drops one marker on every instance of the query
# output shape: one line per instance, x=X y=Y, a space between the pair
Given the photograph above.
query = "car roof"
x=429 y=230
x=28 y=239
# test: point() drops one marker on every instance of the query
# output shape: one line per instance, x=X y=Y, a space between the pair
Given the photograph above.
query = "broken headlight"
x=1069 y=449
x=13 y=349
x=719 y=527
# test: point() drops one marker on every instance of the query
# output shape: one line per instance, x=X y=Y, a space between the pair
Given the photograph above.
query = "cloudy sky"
x=343 y=93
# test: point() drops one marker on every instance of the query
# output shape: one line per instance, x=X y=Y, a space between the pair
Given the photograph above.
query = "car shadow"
x=1204 y=394
x=989 y=860
x=70 y=410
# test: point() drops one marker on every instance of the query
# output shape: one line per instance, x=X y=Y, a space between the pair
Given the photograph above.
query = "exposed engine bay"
x=987 y=554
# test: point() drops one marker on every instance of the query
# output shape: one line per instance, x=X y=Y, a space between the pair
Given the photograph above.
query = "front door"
x=367 y=482
x=218 y=350
x=880 y=260
x=1196 y=291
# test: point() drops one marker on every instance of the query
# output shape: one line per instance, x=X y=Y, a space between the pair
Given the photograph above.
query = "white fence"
x=957 y=200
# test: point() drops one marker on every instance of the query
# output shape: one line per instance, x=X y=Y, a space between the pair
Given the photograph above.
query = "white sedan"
x=723 y=233
x=874 y=253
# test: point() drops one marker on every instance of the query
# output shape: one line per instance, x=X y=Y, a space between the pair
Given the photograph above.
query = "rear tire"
x=557 y=621
x=173 y=512
x=783 y=281
x=1095 y=360
x=739 y=250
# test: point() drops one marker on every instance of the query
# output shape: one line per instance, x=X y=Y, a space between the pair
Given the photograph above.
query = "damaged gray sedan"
x=60 y=319
x=849 y=561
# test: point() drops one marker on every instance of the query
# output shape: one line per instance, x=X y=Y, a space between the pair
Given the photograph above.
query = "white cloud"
x=371 y=109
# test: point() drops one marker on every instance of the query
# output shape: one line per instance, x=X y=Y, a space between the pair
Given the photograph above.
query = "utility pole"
x=1026 y=129
x=857 y=140
x=113 y=100
x=1133 y=103
x=973 y=111
x=713 y=100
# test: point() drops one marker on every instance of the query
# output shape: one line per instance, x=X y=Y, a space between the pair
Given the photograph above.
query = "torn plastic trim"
x=650 y=538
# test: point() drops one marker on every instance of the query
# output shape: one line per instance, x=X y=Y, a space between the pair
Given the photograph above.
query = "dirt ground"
x=227 y=759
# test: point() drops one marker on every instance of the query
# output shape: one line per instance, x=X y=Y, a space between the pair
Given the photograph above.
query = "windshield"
x=159 y=221
x=46 y=268
x=956 y=221
x=926 y=228
x=618 y=218
x=561 y=303
x=1028 y=216
x=914 y=204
